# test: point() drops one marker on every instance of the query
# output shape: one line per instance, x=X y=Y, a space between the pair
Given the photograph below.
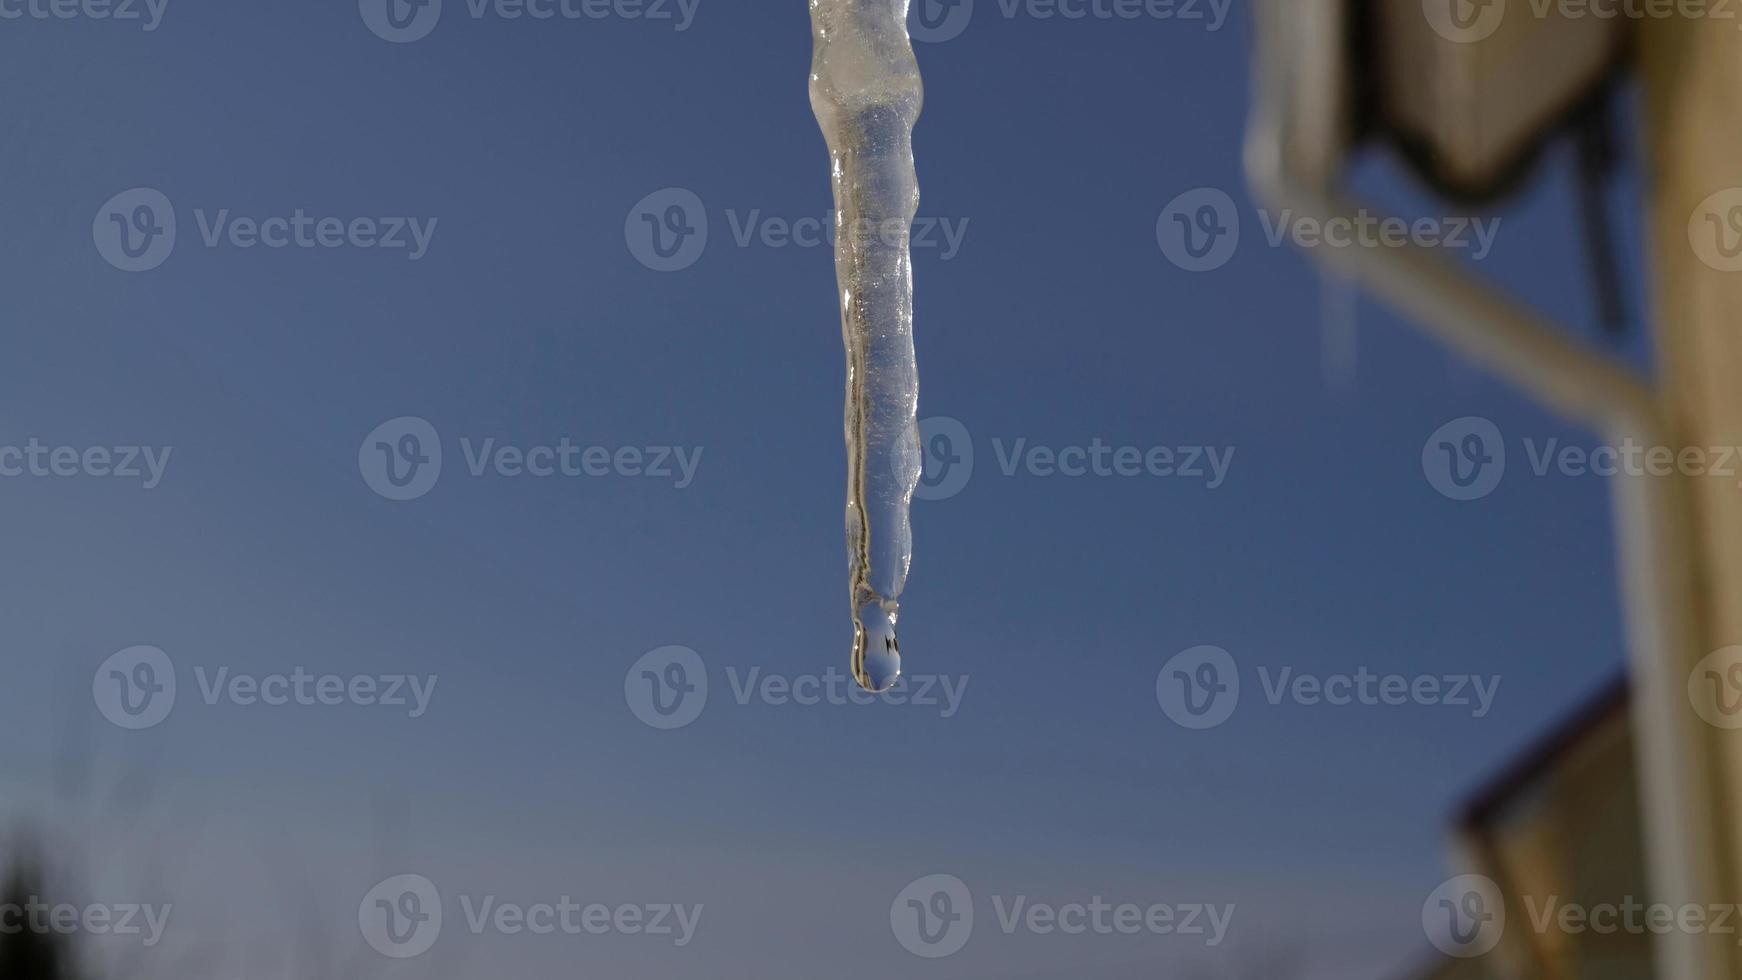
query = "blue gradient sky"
x=1060 y=321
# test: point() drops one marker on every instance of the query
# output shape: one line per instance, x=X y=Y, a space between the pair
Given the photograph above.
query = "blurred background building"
x=1638 y=795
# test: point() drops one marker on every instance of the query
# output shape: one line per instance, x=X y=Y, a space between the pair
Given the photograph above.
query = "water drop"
x=876 y=652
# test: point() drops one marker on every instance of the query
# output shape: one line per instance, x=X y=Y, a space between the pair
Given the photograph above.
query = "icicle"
x=865 y=90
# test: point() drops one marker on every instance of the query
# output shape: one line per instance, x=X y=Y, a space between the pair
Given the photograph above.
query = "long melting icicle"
x=866 y=92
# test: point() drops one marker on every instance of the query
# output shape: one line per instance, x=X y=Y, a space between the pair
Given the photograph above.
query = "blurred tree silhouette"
x=26 y=952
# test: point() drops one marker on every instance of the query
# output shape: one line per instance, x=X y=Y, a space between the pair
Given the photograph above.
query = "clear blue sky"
x=1059 y=321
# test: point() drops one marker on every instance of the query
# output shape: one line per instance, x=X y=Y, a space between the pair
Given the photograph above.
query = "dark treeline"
x=27 y=952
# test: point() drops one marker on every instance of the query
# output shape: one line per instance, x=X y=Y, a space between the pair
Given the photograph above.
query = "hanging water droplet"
x=876 y=653
x=865 y=90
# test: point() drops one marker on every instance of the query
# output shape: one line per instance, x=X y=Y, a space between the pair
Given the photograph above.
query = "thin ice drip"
x=866 y=92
